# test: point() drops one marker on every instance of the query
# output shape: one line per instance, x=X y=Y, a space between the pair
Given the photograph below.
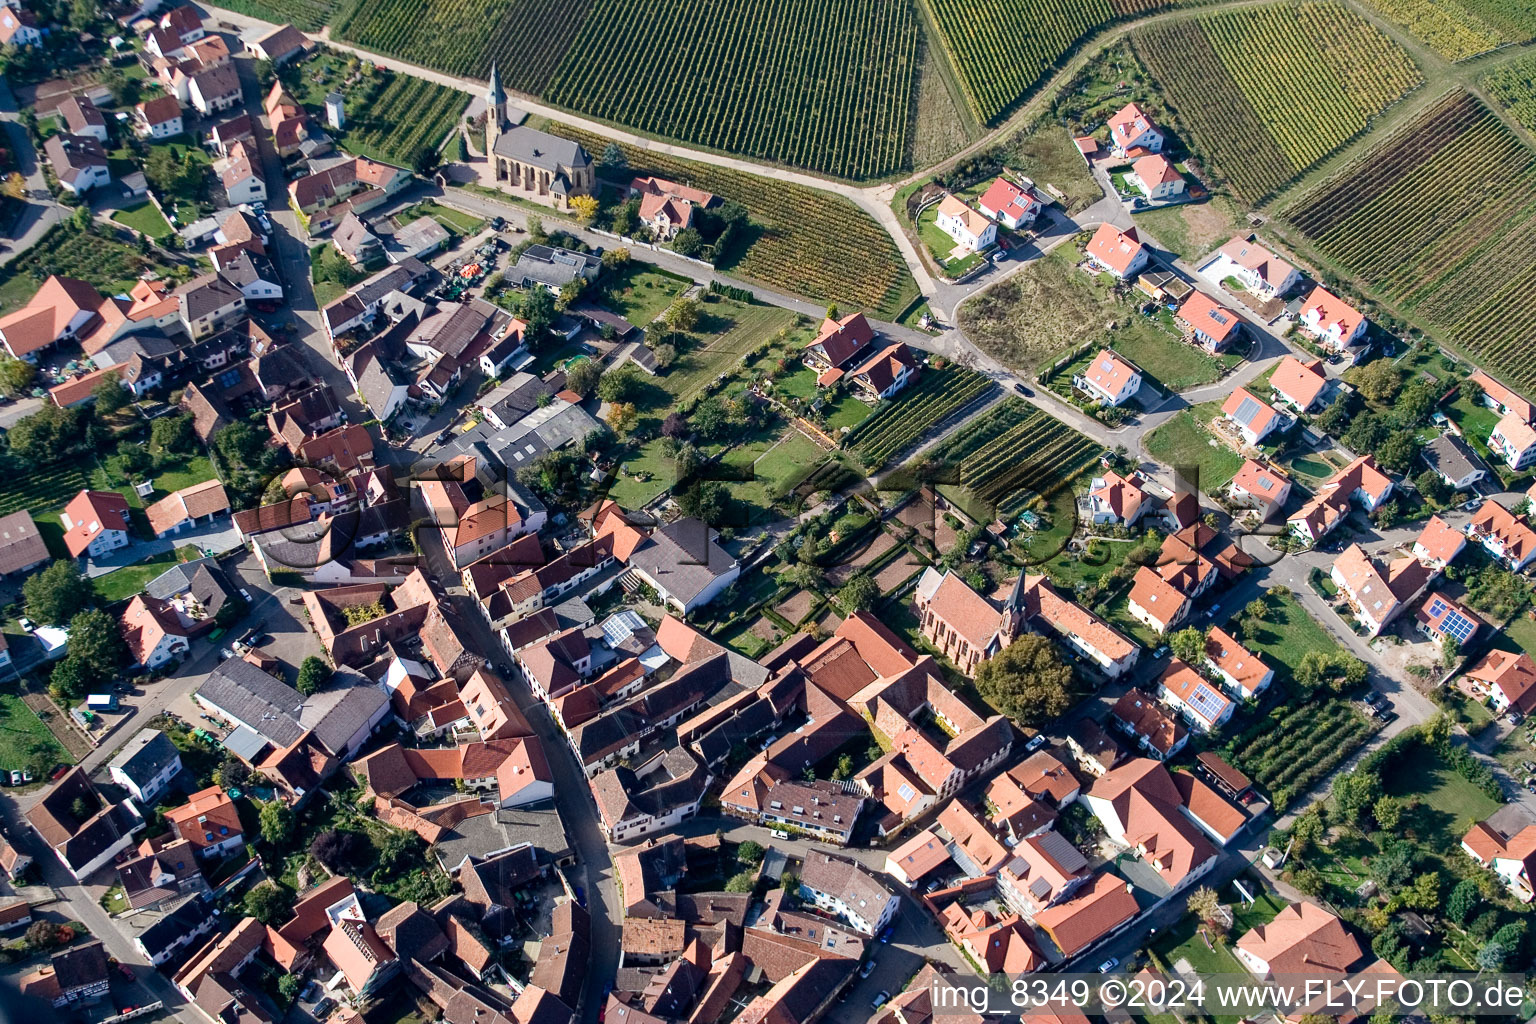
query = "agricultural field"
x=1293 y=747
x=902 y=421
x=1185 y=441
x=1458 y=29
x=1513 y=84
x=1014 y=453
x=306 y=15
x=1003 y=48
x=801 y=240
x=524 y=38
x=107 y=263
x=1463 y=266
x=1267 y=92
x=824 y=84
x=392 y=117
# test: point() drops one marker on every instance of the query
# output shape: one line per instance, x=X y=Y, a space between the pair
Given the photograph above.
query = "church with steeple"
x=532 y=164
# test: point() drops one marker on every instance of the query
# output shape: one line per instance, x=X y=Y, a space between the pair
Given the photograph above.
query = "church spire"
x=495 y=96
x=495 y=111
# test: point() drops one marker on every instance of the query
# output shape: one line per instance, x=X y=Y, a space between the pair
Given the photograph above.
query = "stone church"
x=533 y=164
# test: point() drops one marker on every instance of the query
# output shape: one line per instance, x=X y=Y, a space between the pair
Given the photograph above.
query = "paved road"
x=39 y=214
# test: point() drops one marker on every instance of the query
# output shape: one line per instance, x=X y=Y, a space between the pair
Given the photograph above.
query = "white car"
x=1109 y=965
x=778 y=833
x=245 y=594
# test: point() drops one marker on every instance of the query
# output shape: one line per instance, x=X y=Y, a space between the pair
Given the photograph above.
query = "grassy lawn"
x=1118 y=613
x=1288 y=633
x=800 y=384
x=1447 y=804
x=1048 y=155
x=1192 y=229
x=22 y=732
x=1474 y=420
x=327 y=292
x=130 y=579
x=145 y=219
x=792 y=457
x=172 y=476
x=847 y=411
x=1184 y=441
x=1102 y=556
x=644 y=475
x=1154 y=345
x=460 y=223
x=734 y=330
x=640 y=292
x=1186 y=942
x=1247 y=916
x=1522 y=633
x=940 y=245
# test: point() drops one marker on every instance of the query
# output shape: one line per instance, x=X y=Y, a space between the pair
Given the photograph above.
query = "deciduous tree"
x=1026 y=680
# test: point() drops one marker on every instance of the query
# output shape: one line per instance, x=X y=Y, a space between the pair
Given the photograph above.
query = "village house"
x=1141 y=806
x=209 y=822
x=1131 y=129
x=837 y=344
x=237 y=172
x=78 y=161
x=197 y=505
x=95 y=523
x=1453 y=461
x=146 y=765
x=1118 y=500
x=994 y=944
x=82 y=118
x=1157 y=602
x=1438 y=543
x=1010 y=204
x=1297 y=384
x=1242 y=673
x=1214 y=326
x=844 y=889
x=279 y=46
x=1513 y=440
x=1497 y=396
x=1254 y=418
x=213 y=90
x=1506 y=845
x=73 y=976
x=1045 y=870
x=63 y=310
x=1302 y=939
x=153 y=633
x=1261 y=487
x=1141 y=717
x=1258 y=269
x=1109 y=379
x=884 y=374
x=1156 y=178
x=22 y=547
x=18 y=27
x=1335 y=323
x=1117 y=252
x=1505 y=679
x=84 y=830
x=159 y=118
x=1361 y=481
x=1504 y=535
x=1441 y=617
x=1201 y=703
x=1376 y=596
x=1093 y=914
x=666 y=207
x=973 y=231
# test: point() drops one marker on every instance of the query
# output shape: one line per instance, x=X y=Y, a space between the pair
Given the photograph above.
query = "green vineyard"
x=1290 y=751
x=806 y=242
x=1458 y=29
x=1003 y=48
x=899 y=423
x=1463 y=265
x=405 y=114
x=1268 y=92
x=306 y=15
x=824 y=84
x=1513 y=84
x=525 y=38
x=1014 y=452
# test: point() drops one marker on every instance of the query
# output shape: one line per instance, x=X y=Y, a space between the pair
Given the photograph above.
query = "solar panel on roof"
x=1207 y=703
x=1247 y=409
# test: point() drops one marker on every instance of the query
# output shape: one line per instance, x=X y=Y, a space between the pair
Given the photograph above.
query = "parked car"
x=246 y=594
x=26 y=624
x=310 y=991
x=778 y=833
x=1529 y=766
x=16 y=777
x=324 y=1007
x=1035 y=743
x=1374 y=699
x=880 y=1000
x=1160 y=652
x=1021 y=389
x=1109 y=965
x=867 y=969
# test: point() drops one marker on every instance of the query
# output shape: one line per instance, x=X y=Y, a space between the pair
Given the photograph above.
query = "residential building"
x=1242 y=673
x=1439 y=543
x=177 y=930
x=1260 y=486
x=82 y=118
x=209 y=821
x=1505 y=679
x=1036 y=602
x=159 y=118
x=1131 y=129
x=685 y=564
x=1299 y=385
x=1200 y=703
x=838 y=343
x=1140 y=805
x=208 y=304
x=916 y=858
x=18 y=27
x=1109 y=379
x=213 y=90
x=1214 y=326
x=282 y=44
x=530 y=163
x=1157 y=602
x=1141 y=717
x=354 y=241
x=147 y=764
x=63 y=310
x=1514 y=440
x=1497 y=396
x=1118 y=500
x=1010 y=204
x=1258 y=269
x=553 y=267
x=1361 y=481
x=1378 y=596
x=1454 y=462
x=973 y=231
x=83 y=843
x=666 y=207
x=1334 y=322
x=884 y=374
x=1045 y=870
x=78 y=161
x=1252 y=417
x=356 y=185
x=1441 y=617
x=1504 y=535
x=1156 y=178
x=1303 y=939
x=197 y=505
x=420 y=238
x=652 y=797
x=153 y=633
x=95 y=523
x=22 y=547
x=75 y=976
x=844 y=889
x=1506 y=845
x=773 y=799
x=242 y=182
x=995 y=945
x=1117 y=252
x=1090 y=916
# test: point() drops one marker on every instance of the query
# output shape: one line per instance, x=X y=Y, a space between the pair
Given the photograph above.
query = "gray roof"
x=485 y=834
x=186 y=919
x=543 y=430
x=540 y=149
x=242 y=742
x=401 y=276
x=845 y=879
x=146 y=755
x=553 y=267
x=248 y=268
x=218 y=81
x=268 y=707
x=1449 y=456
x=421 y=234
x=683 y=557
x=515 y=399
x=352 y=236
x=347 y=703
x=207 y=294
